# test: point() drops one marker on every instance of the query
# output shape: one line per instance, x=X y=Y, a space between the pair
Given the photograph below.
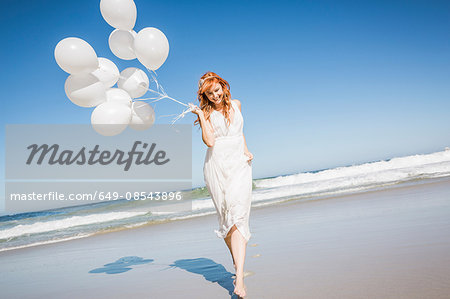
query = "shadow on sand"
x=210 y=270
x=121 y=265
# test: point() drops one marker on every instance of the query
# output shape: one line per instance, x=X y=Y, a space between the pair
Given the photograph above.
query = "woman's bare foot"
x=239 y=288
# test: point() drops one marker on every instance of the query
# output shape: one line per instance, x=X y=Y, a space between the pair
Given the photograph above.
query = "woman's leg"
x=228 y=242
x=238 y=247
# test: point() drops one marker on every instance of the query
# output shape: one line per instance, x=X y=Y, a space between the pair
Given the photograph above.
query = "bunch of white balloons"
x=92 y=79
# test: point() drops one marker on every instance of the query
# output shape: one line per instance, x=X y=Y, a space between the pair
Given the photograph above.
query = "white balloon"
x=75 y=56
x=134 y=81
x=119 y=14
x=121 y=43
x=107 y=72
x=109 y=119
x=85 y=90
x=143 y=116
x=151 y=47
x=118 y=95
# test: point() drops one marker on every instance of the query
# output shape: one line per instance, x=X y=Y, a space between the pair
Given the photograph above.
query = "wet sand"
x=392 y=243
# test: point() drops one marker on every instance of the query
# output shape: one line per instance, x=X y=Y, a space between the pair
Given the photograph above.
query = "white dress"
x=228 y=174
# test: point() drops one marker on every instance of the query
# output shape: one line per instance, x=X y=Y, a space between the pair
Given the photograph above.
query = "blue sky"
x=322 y=83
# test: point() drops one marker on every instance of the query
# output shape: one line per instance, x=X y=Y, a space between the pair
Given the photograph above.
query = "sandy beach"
x=390 y=243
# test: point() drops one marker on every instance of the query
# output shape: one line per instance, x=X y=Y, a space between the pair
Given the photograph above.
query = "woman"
x=227 y=169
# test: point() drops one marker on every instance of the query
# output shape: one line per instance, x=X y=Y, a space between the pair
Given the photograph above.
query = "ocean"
x=43 y=227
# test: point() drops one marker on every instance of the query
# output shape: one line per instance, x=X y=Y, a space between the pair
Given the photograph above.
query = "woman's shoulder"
x=237 y=102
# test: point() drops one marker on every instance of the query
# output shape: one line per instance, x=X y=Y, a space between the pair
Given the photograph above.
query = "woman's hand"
x=250 y=155
x=195 y=109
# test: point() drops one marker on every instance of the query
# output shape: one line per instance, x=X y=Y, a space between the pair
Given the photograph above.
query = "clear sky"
x=322 y=83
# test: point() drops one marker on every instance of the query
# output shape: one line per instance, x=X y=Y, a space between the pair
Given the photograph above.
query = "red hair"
x=206 y=82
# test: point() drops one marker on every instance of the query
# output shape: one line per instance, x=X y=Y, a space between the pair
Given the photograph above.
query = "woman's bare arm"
x=245 y=145
x=246 y=151
x=207 y=130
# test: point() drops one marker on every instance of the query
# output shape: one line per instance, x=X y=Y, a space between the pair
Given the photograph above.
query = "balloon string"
x=162 y=95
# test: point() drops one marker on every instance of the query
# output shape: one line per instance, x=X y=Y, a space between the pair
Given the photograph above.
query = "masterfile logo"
x=163 y=152
x=55 y=155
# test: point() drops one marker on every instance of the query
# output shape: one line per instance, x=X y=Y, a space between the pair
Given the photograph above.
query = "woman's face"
x=215 y=94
